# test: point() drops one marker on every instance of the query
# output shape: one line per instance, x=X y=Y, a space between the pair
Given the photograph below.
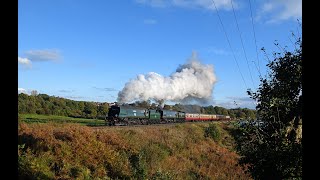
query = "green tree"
x=225 y=111
x=90 y=110
x=274 y=150
x=250 y=114
x=241 y=114
x=22 y=106
x=81 y=105
x=143 y=104
x=103 y=109
x=218 y=110
x=177 y=107
x=210 y=110
x=31 y=105
x=231 y=113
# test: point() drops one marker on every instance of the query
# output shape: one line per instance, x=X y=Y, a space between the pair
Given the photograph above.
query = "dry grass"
x=70 y=151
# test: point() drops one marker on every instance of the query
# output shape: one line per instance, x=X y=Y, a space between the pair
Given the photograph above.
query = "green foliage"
x=160 y=175
x=34 y=167
x=213 y=131
x=138 y=163
x=154 y=153
x=90 y=110
x=38 y=118
x=50 y=105
x=238 y=113
x=274 y=150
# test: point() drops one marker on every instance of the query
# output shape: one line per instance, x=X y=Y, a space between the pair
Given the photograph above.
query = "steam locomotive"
x=128 y=115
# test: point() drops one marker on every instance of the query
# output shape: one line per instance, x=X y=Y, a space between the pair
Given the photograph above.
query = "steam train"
x=128 y=115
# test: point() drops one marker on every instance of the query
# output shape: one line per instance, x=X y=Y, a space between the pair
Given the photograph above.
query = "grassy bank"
x=182 y=151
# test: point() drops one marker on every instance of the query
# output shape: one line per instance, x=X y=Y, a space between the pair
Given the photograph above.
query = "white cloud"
x=27 y=91
x=150 y=21
x=25 y=62
x=218 y=51
x=266 y=7
x=43 y=55
x=235 y=102
x=204 y=4
x=279 y=10
x=66 y=91
x=75 y=97
x=105 y=89
x=21 y=90
x=154 y=3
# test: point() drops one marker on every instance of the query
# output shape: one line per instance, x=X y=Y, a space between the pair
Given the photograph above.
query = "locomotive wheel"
x=126 y=121
x=112 y=122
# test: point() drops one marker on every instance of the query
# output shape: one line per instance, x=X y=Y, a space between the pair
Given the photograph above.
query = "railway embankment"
x=178 y=151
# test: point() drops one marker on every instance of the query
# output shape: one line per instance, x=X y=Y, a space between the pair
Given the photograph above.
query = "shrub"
x=274 y=150
x=213 y=131
x=138 y=164
x=160 y=175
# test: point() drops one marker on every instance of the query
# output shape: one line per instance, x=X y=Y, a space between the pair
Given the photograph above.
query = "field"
x=37 y=118
x=72 y=151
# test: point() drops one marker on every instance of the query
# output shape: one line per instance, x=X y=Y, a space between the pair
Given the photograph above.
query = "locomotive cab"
x=113 y=114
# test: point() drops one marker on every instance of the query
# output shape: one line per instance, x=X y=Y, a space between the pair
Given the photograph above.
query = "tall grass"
x=72 y=151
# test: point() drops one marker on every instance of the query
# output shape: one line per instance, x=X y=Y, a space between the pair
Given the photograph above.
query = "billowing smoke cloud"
x=192 y=82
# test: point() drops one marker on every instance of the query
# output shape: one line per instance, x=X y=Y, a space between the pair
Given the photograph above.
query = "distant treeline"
x=239 y=113
x=51 y=105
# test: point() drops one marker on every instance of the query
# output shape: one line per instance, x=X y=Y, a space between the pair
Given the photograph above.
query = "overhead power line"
x=225 y=33
x=245 y=54
x=255 y=39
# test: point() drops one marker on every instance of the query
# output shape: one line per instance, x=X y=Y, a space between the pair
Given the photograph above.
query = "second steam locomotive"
x=128 y=115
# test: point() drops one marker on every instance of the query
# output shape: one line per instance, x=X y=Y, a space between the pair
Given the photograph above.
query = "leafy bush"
x=213 y=132
x=274 y=150
x=138 y=163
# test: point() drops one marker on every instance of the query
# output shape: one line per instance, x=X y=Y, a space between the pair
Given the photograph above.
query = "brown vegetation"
x=69 y=151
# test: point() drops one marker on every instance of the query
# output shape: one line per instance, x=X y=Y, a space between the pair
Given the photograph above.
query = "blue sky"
x=88 y=50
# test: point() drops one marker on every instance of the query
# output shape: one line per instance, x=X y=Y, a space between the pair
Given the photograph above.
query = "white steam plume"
x=192 y=81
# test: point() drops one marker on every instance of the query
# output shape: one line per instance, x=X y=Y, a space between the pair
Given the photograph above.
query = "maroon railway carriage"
x=205 y=117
